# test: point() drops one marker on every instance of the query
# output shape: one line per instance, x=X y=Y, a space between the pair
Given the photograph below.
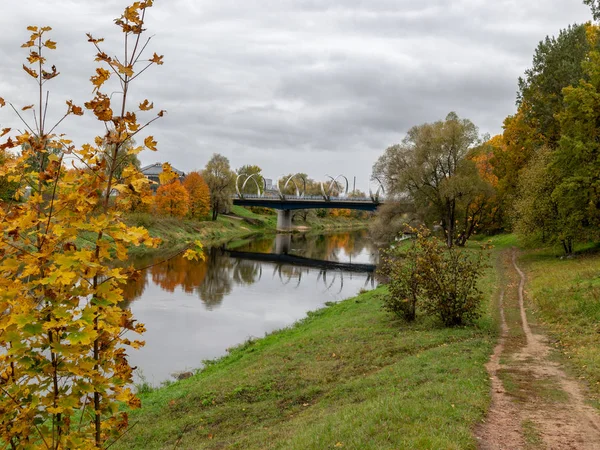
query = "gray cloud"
x=319 y=86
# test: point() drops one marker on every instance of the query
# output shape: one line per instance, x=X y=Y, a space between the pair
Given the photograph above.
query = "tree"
x=576 y=161
x=199 y=195
x=595 y=7
x=64 y=335
x=557 y=63
x=221 y=182
x=536 y=212
x=172 y=199
x=431 y=169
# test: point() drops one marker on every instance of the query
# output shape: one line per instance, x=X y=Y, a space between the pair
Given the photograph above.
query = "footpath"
x=536 y=404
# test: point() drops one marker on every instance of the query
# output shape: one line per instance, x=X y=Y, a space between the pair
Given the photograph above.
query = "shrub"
x=399 y=270
x=442 y=281
x=448 y=278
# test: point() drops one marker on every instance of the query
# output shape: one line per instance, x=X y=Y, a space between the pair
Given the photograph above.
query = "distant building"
x=154 y=170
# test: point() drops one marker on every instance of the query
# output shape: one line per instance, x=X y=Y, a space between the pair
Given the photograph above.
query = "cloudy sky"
x=315 y=86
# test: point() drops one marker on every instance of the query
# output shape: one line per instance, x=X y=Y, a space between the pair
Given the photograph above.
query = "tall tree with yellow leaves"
x=64 y=336
x=199 y=195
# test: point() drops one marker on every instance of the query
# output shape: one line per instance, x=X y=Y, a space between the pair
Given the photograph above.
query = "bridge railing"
x=307 y=198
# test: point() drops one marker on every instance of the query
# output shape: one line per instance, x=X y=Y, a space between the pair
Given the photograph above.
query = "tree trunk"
x=450 y=225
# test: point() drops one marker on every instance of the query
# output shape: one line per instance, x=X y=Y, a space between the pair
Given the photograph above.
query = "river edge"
x=176 y=234
x=348 y=374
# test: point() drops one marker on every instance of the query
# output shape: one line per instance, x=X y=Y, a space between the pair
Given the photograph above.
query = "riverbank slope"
x=349 y=375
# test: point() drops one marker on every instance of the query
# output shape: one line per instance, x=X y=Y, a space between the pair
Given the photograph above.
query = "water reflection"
x=240 y=296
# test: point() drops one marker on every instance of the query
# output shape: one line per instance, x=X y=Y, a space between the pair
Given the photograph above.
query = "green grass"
x=349 y=375
x=566 y=298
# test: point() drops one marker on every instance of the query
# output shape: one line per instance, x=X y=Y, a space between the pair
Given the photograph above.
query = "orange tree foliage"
x=172 y=199
x=199 y=195
x=64 y=337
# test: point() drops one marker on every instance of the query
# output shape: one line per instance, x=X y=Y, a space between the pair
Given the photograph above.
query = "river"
x=194 y=311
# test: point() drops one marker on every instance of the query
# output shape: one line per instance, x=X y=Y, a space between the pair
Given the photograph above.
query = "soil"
x=535 y=403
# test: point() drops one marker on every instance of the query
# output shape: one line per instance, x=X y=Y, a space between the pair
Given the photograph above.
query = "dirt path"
x=535 y=404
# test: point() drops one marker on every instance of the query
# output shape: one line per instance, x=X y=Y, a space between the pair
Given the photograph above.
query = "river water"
x=196 y=310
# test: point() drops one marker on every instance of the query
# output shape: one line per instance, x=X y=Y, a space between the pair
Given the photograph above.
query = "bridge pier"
x=283 y=243
x=284 y=220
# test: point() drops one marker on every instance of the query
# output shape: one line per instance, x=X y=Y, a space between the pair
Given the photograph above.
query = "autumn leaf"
x=146 y=105
x=32 y=28
x=161 y=113
x=157 y=59
x=50 y=44
x=92 y=40
x=4 y=131
x=2 y=102
x=31 y=72
x=101 y=76
x=150 y=143
x=74 y=109
x=25 y=108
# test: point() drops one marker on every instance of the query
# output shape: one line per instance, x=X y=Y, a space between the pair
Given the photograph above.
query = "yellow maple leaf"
x=150 y=143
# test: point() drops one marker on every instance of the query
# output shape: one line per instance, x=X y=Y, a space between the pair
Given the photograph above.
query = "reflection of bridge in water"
x=291 y=267
x=301 y=261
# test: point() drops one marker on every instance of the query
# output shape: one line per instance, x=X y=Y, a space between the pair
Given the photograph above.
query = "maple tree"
x=63 y=344
x=199 y=205
x=172 y=199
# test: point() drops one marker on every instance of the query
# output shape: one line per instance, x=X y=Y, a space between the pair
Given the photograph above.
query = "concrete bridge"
x=285 y=203
x=285 y=206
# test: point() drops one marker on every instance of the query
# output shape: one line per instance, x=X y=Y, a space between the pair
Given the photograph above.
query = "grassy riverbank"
x=177 y=233
x=566 y=301
x=349 y=375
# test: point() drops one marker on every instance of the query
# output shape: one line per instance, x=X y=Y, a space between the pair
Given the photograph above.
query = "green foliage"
x=595 y=7
x=251 y=187
x=221 y=183
x=431 y=169
x=536 y=212
x=448 y=278
x=399 y=269
x=557 y=63
x=441 y=279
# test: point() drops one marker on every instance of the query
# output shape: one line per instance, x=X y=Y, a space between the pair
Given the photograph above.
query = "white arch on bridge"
x=299 y=194
x=332 y=184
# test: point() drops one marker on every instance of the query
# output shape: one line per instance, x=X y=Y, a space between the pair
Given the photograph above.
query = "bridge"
x=332 y=196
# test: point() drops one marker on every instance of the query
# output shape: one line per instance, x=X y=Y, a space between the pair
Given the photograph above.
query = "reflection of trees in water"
x=214 y=278
x=246 y=272
x=134 y=288
x=218 y=281
x=179 y=272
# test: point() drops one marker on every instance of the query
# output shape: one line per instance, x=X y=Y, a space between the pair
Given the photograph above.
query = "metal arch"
x=248 y=178
x=380 y=189
x=327 y=195
x=299 y=194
